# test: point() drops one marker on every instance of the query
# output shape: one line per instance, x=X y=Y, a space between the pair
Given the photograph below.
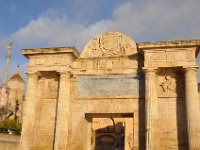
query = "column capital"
x=191 y=68
x=148 y=70
x=67 y=74
x=192 y=104
x=32 y=74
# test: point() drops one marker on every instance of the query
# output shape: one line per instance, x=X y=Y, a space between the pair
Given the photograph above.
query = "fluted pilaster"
x=192 y=108
x=62 y=113
x=150 y=108
x=29 y=113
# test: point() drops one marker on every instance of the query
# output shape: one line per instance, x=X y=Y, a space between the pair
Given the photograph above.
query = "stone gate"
x=116 y=94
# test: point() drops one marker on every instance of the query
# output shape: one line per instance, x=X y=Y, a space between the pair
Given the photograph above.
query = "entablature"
x=59 y=59
x=169 y=53
x=106 y=65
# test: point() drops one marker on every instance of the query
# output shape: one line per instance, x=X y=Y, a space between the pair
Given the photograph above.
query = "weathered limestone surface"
x=16 y=95
x=9 y=142
x=192 y=107
x=29 y=113
x=108 y=85
x=116 y=94
x=45 y=115
x=63 y=112
x=150 y=108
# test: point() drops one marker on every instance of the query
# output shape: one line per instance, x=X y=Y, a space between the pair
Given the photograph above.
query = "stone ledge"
x=9 y=138
x=52 y=50
x=168 y=44
x=109 y=97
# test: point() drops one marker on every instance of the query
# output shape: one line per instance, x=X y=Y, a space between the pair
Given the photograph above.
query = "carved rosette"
x=109 y=44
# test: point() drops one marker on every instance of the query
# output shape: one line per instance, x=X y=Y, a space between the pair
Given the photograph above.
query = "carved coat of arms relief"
x=109 y=44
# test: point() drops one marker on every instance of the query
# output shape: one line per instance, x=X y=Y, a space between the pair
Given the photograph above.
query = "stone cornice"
x=194 y=43
x=169 y=44
x=52 y=50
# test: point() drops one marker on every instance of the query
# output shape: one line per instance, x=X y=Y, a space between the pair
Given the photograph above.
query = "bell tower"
x=8 y=56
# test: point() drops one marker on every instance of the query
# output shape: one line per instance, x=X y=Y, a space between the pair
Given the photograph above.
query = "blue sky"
x=46 y=23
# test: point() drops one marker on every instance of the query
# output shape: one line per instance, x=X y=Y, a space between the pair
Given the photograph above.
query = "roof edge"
x=169 y=44
x=51 y=50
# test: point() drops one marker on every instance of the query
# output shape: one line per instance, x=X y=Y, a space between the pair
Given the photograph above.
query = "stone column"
x=150 y=106
x=63 y=111
x=192 y=108
x=29 y=113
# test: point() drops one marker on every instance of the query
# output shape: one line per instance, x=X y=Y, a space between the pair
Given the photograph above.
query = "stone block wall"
x=9 y=142
x=45 y=114
x=170 y=126
x=155 y=82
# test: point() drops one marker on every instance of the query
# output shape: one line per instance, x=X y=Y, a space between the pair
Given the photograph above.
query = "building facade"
x=11 y=98
x=16 y=96
x=116 y=94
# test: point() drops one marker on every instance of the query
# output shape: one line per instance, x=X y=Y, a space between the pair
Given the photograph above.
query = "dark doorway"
x=111 y=131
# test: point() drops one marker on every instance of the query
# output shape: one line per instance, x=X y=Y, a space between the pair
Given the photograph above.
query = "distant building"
x=11 y=98
x=16 y=95
x=3 y=95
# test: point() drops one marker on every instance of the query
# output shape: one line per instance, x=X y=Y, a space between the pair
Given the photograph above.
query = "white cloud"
x=145 y=21
x=49 y=30
x=153 y=20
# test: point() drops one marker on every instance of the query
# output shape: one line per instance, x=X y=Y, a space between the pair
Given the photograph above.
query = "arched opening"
x=109 y=133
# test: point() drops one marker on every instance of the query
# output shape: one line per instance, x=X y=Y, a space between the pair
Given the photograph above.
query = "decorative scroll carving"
x=109 y=44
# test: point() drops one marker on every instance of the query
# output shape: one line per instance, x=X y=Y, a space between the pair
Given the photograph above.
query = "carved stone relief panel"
x=104 y=65
x=170 y=84
x=109 y=44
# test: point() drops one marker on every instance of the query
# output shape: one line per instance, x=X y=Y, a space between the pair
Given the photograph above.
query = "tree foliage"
x=10 y=125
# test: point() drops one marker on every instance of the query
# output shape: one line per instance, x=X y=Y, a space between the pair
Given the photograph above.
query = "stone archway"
x=109 y=133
